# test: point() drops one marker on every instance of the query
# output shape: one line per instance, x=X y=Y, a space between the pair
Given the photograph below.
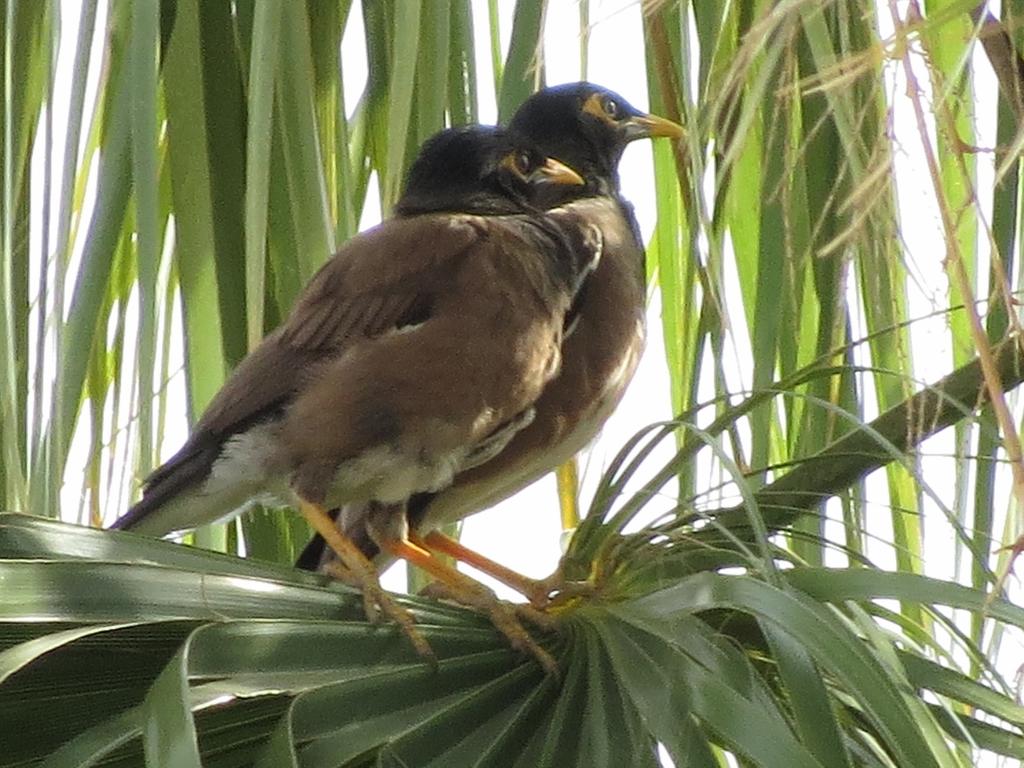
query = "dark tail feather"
x=312 y=554
x=182 y=472
x=349 y=520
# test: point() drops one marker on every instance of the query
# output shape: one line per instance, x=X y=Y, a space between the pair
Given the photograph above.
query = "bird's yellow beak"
x=554 y=172
x=652 y=126
x=550 y=172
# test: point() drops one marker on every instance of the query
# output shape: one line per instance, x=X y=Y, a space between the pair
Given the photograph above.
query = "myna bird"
x=586 y=127
x=416 y=351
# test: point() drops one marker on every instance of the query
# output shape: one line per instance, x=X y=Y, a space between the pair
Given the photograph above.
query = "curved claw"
x=506 y=617
x=355 y=570
x=462 y=589
x=560 y=592
x=378 y=603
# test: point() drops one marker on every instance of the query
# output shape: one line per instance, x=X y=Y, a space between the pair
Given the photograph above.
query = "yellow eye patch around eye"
x=594 y=107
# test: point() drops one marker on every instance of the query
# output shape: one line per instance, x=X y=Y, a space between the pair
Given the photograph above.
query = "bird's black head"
x=587 y=127
x=479 y=169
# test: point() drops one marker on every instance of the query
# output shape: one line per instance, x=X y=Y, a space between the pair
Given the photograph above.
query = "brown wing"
x=379 y=280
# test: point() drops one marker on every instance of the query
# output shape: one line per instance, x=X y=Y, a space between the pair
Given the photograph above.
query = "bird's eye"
x=610 y=107
x=523 y=162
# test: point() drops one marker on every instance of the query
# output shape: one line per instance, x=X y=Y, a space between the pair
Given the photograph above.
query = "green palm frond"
x=196 y=658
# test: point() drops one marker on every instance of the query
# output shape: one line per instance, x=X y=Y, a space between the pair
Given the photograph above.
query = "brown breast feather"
x=598 y=361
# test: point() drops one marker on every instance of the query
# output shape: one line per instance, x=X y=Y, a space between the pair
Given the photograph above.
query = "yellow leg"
x=537 y=591
x=361 y=573
x=463 y=589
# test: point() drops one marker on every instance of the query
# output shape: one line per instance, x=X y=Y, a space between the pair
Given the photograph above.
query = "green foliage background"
x=221 y=166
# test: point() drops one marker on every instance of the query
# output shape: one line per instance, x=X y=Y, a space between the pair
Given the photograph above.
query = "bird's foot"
x=456 y=586
x=357 y=571
x=378 y=603
x=555 y=592
x=508 y=618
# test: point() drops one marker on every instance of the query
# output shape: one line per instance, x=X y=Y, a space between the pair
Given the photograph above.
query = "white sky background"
x=524 y=532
